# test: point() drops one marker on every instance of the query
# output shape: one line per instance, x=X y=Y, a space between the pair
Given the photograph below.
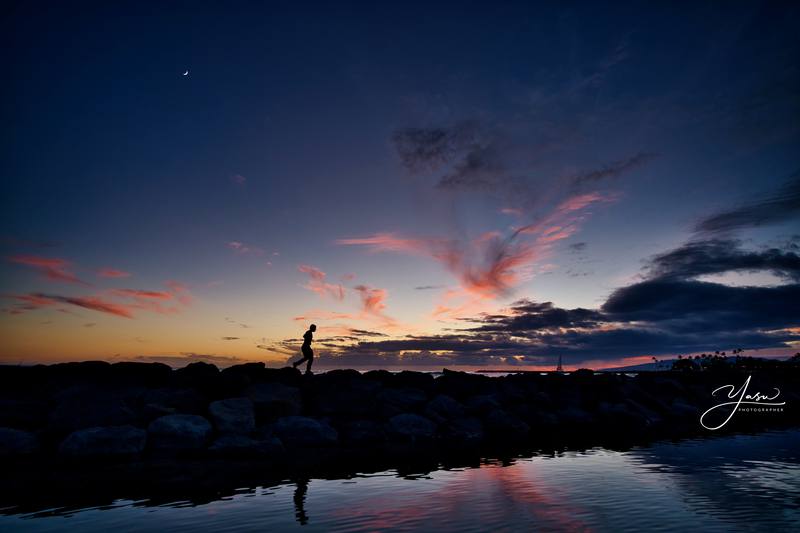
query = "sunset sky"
x=474 y=185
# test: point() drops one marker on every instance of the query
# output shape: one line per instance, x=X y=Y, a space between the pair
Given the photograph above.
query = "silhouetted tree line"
x=735 y=360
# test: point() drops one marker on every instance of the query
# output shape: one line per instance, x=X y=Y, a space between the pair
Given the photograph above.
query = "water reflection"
x=300 y=500
x=744 y=482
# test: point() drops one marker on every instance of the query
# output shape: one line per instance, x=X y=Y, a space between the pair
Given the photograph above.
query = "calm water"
x=738 y=483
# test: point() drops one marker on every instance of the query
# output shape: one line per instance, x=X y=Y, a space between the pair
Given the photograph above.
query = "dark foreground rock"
x=137 y=412
x=15 y=442
x=104 y=442
x=179 y=432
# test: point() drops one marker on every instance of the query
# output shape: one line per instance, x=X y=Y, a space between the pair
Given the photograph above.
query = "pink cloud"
x=372 y=300
x=113 y=273
x=180 y=292
x=54 y=269
x=317 y=283
x=95 y=303
x=238 y=179
x=491 y=265
x=136 y=293
x=128 y=301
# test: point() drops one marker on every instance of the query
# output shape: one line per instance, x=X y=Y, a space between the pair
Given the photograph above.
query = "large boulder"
x=409 y=427
x=233 y=380
x=112 y=441
x=234 y=415
x=304 y=431
x=482 y=405
x=146 y=374
x=179 y=432
x=442 y=407
x=235 y=446
x=92 y=408
x=23 y=414
x=184 y=400
x=362 y=432
x=397 y=401
x=461 y=385
x=467 y=430
x=17 y=442
x=198 y=375
x=353 y=399
x=500 y=423
x=417 y=380
x=272 y=400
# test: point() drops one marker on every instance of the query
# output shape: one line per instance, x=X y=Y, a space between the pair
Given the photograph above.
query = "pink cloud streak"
x=317 y=283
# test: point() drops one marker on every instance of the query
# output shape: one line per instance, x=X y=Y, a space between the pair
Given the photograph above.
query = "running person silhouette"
x=308 y=353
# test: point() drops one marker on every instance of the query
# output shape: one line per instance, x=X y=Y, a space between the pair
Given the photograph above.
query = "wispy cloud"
x=113 y=273
x=614 y=169
x=238 y=179
x=244 y=249
x=137 y=293
x=52 y=268
x=773 y=209
x=94 y=303
x=119 y=302
x=317 y=283
x=373 y=301
x=232 y=321
x=491 y=265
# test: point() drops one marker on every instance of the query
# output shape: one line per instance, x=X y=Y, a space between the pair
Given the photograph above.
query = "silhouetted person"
x=300 y=501
x=308 y=353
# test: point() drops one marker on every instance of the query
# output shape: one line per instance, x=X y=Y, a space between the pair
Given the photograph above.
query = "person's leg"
x=310 y=360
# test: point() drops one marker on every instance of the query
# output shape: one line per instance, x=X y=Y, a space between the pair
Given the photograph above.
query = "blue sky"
x=424 y=136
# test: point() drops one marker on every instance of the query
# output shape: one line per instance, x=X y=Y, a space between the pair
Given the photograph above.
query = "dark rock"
x=17 y=442
x=342 y=375
x=504 y=424
x=253 y=371
x=86 y=371
x=174 y=401
x=179 y=432
x=481 y=405
x=303 y=431
x=237 y=446
x=197 y=375
x=234 y=415
x=356 y=399
x=146 y=374
x=396 y=401
x=575 y=418
x=112 y=441
x=91 y=408
x=619 y=417
x=416 y=380
x=288 y=376
x=652 y=417
x=466 y=430
x=384 y=377
x=363 y=432
x=408 y=427
x=461 y=385
x=582 y=374
x=442 y=408
x=23 y=414
x=684 y=411
x=272 y=400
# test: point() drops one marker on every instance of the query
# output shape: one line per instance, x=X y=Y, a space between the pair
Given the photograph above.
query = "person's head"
x=313 y=327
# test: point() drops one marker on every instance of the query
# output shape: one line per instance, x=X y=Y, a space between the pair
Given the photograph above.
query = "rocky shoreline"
x=124 y=412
